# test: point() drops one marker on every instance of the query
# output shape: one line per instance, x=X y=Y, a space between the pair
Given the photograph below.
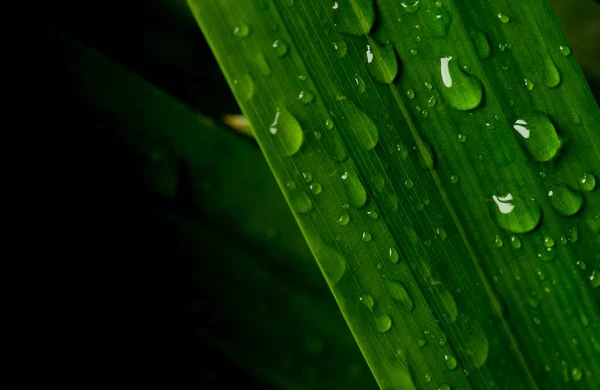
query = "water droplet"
x=454 y=179
x=481 y=43
x=300 y=201
x=427 y=377
x=242 y=30
x=431 y=102
x=384 y=323
x=515 y=242
x=393 y=255
x=287 y=132
x=339 y=150
x=576 y=374
x=565 y=201
x=573 y=235
x=428 y=85
x=450 y=362
x=281 y=47
x=587 y=182
x=425 y=113
x=411 y=94
x=332 y=263
x=461 y=138
x=366 y=237
x=340 y=48
x=516 y=214
x=564 y=50
x=448 y=304
x=382 y=64
x=529 y=84
x=368 y=301
x=408 y=183
x=328 y=124
x=503 y=18
x=315 y=188
x=463 y=91
x=445 y=386
x=354 y=188
x=439 y=22
x=302 y=77
x=548 y=242
x=344 y=219
x=317 y=135
x=307 y=176
x=595 y=279
x=373 y=215
x=306 y=97
x=399 y=294
x=538 y=135
x=475 y=344
x=576 y=119
x=354 y=18
x=547 y=255
x=413 y=52
x=410 y=7
x=243 y=87
x=441 y=233
x=261 y=64
x=359 y=125
x=360 y=84
x=498 y=242
x=551 y=73
x=421 y=343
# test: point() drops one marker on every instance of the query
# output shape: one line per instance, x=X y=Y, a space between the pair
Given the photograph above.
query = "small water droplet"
x=399 y=294
x=340 y=48
x=441 y=233
x=576 y=374
x=287 y=132
x=393 y=255
x=445 y=386
x=344 y=219
x=317 y=135
x=373 y=215
x=425 y=113
x=360 y=84
x=366 y=237
x=332 y=262
x=515 y=242
x=431 y=102
x=421 y=343
x=354 y=18
x=587 y=182
x=551 y=73
x=428 y=85
x=538 y=135
x=307 y=176
x=461 y=138
x=498 y=242
x=306 y=97
x=450 y=362
x=409 y=7
x=547 y=255
x=384 y=323
x=302 y=77
x=427 y=377
x=595 y=279
x=359 y=125
x=564 y=50
x=548 y=242
x=454 y=179
x=503 y=18
x=354 y=188
x=481 y=43
x=529 y=84
x=438 y=22
x=368 y=301
x=408 y=183
x=565 y=201
x=243 y=87
x=328 y=124
x=516 y=214
x=576 y=119
x=315 y=188
x=462 y=90
x=242 y=30
x=573 y=235
x=411 y=94
x=281 y=47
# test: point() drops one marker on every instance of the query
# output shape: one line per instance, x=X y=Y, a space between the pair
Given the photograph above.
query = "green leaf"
x=424 y=160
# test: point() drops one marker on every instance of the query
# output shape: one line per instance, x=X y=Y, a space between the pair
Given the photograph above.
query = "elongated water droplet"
x=393 y=255
x=242 y=30
x=565 y=201
x=538 y=135
x=307 y=176
x=587 y=182
x=339 y=150
x=441 y=233
x=399 y=293
x=595 y=280
x=431 y=102
x=340 y=48
x=475 y=345
x=503 y=18
x=359 y=125
x=332 y=263
x=551 y=73
x=243 y=87
x=354 y=18
x=481 y=43
x=360 y=84
x=448 y=303
x=515 y=242
x=354 y=188
x=576 y=374
x=410 y=6
x=281 y=47
x=498 y=242
x=529 y=84
x=368 y=301
x=287 y=132
x=454 y=179
x=384 y=323
x=381 y=62
x=516 y=214
x=463 y=91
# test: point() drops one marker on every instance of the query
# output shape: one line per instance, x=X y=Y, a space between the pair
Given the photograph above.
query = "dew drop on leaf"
x=439 y=21
x=516 y=214
x=354 y=17
x=551 y=74
x=503 y=18
x=340 y=48
x=410 y=93
x=306 y=97
x=243 y=87
x=315 y=188
x=359 y=125
x=354 y=188
x=366 y=237
x=410 y=6
x=281 y=47
x=564 y=50
x=480 y=43
x=463 y=91
x=450 y=362
x=393 y=255
x=399 y=294
x=538 y=135
x=587 y=182
x=344 y=219
x=528 y=84
x=515 y=242
x=331 y=261
x=565 y=201
x=381 y=62
x=242 y=30
x=287 y=132
x=384 y=323
x=368 y=301
x=360 y=84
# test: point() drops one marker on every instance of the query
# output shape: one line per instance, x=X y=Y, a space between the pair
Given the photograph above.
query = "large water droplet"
x=382 y=63
x=340 y=48
x=463 y=91
x=332 y=263
x=565 y=201
x=354 y=188
x=538 y=135
x=359 y=125
x=354 y=17
x=551 y=73
x=287 y=132
x=439 y=21
x=481 y=43
x=448 y=304
x=516 y=214
x=243 y=87
x=399 y=293
x=384 y=323
x=300 y=201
